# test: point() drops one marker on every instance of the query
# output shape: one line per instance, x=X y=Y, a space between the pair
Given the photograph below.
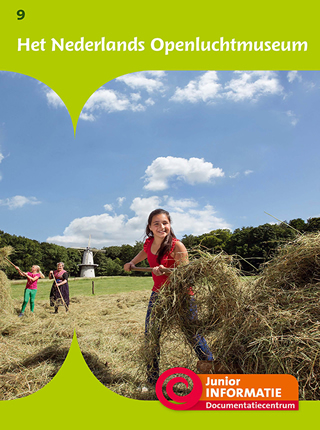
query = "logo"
x=228 y=392
x=183 y=402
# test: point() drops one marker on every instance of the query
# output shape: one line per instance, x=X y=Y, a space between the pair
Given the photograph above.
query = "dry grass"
x=112 y=331
x=6 y=304
x=269 y=325
x=32 y=349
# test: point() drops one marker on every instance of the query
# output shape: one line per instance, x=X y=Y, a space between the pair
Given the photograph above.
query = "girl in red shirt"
x=164 y=250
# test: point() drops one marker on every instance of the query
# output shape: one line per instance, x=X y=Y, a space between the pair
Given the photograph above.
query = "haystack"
x=212 y=280
x=6 y=304
x=197 y=300
x=270 y=325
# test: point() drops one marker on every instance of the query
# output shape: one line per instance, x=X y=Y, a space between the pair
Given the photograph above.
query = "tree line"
x=253 y=245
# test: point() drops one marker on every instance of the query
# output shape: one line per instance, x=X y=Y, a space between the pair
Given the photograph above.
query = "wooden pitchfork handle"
x=10 y=263
x=19 y=270
x=60 y=292
x=165 y=271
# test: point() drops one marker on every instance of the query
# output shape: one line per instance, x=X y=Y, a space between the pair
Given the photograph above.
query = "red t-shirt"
x=167 y=261
x=32 y=285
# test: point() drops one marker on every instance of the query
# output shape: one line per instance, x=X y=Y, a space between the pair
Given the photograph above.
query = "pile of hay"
x=286 y=307
x=269 y=325
x=198 y=299
x=6 y=303
x=214 y=282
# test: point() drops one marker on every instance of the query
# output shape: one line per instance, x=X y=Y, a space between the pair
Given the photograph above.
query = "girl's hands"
x=158 y=270
x=127 y=267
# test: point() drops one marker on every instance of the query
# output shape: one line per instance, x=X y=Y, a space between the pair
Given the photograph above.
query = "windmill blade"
x=89 y=241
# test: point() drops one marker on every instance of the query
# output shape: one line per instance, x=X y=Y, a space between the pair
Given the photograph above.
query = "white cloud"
x=192 y=171
x=244 y=86
x=309 y=85
x=108 y=208
x=53 y=99
x=293 y=117
x=151 y=81
x=248 y=172
x=87 y=117
x=149 y=102
x=252 y=85
x=103 y=100
x=135 y=96
x=205 y=88
x=120 y=200
x=180 y=204
x=197 y=221
x=292 y=75
x=109 y=101
x=107 y=230
x=19 y=201
x=234 y=175
x=138 y=108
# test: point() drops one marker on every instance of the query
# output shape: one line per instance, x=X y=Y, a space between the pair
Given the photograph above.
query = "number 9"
x=21 y=14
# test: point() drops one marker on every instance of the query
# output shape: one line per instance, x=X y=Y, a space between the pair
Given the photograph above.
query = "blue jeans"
x=197 y=341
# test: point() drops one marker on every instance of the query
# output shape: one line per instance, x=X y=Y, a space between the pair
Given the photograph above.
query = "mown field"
x=109 y=327
x=267 y=325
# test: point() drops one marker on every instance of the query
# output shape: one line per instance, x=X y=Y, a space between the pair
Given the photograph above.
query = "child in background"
x=164 y=250
x=31 y=287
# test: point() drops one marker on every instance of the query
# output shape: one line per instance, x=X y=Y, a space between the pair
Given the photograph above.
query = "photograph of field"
x=232 y=156
x=34 y=348
x=269 y=324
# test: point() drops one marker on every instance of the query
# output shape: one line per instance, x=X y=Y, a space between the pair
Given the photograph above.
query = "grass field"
x=83 y=286
x=268 y=325
x=109 y=327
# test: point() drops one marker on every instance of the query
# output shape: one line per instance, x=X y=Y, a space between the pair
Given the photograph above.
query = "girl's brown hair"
x=167 y=241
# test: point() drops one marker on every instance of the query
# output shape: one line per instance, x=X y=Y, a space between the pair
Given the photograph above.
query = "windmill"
x=87 y=266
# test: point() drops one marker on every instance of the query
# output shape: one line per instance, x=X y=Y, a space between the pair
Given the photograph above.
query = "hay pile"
x=214 y=281
x=269 y=325
x=218 y=293
x=6 y=303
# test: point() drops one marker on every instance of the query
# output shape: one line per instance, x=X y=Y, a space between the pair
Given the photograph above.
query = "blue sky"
x=216 y=149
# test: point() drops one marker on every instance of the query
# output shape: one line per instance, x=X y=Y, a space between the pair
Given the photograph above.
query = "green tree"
x=313 y=225
x=298 y=224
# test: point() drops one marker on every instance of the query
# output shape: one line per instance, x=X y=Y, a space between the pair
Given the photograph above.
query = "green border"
x=74 y=398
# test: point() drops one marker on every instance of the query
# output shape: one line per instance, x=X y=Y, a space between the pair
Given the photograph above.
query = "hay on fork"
x=6 y=303
x=196 y=300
